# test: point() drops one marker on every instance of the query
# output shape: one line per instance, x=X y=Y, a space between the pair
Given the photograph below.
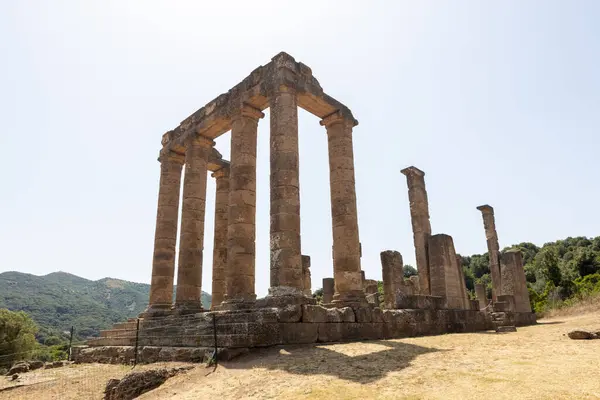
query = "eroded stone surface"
x=489 y=224
x=419 y=216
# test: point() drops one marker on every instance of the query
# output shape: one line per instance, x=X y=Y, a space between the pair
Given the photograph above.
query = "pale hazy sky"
x=498 y=102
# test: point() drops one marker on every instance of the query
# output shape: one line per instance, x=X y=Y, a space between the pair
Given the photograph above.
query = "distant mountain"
x=60 y=300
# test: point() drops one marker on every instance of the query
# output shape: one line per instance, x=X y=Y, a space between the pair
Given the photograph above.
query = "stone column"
x=491 y=236
x=444 y=277
x=415 y=281
x=191 y=237
x=241 y=232
x=462 y=283
x=306 y=276
x=220 y=237
x=419 y=216
x=481 y=295
x=165 y=236
x=286 y=263
x=513 y=280
x=346 y=247
x=328 y=290
x=391 y=262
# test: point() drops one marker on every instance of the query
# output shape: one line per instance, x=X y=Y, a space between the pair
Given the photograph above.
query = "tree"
x=408 y=271
x=547 y=262
x=17 y=336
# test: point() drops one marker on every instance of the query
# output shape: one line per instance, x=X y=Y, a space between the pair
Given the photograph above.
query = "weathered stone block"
x=377 y=315
x=292 y=313
x=363 y=314
x=318 y=314
x=299 y=333
x=347 y=314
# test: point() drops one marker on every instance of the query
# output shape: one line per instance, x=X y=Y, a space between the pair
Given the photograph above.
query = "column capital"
x=248 y=111
x=166 y=155
x=336 y=118
x=486 y=209
x=412 y=171
x=221 y=173
x=202 y=141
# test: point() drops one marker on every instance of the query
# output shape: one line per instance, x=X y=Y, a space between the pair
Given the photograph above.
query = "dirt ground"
x=537 y=362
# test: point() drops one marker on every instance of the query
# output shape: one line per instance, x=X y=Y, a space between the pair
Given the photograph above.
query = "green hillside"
x=60 y=300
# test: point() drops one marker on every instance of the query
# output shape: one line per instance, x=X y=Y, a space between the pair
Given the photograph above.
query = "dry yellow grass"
x=537 y=362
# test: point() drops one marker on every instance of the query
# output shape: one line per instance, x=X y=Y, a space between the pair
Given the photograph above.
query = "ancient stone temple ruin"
x=436 y=301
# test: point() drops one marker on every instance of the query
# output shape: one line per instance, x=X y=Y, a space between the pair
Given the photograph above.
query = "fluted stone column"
x=191 y=239
x=241 y=233
x=481 y=295
x=491 y=236
x=286 y=262
x=307 y=284
x=346 y=245
x=220 y=236
x=165 y=236
x=328 y=290
x=419 y=216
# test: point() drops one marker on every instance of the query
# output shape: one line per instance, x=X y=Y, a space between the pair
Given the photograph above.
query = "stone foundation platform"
x=187 y=337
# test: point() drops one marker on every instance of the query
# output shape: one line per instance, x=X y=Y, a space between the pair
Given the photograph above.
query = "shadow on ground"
x=383 y=357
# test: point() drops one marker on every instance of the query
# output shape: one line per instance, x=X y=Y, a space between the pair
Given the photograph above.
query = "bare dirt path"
x=537 y=362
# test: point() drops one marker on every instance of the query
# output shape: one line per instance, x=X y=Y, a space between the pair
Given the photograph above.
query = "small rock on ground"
x=582 y=335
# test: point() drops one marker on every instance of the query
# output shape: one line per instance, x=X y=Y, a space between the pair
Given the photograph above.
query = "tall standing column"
x=165 y=236
x=220 y=237
x=346 y=246
x=241 y=232
x=286 y=262
x=419 y=215
x=491 y=236
x=191 y=239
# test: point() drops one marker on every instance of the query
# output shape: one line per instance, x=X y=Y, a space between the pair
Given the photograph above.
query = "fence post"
x=71 y=344
x=137 y=336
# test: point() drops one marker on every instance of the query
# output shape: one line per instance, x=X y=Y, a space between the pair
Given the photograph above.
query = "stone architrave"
x=513 y=279
x=481 y=295
x=188 y=297
x=463 y=283
x=328 y=290
x=220 y=236
x=491 y=236
x=165 y=236
x=445 y=281
x=391 y=262
x=307 y=286
x=346 y=247
x=241 y=232
x=421 y=226
x=285 y=246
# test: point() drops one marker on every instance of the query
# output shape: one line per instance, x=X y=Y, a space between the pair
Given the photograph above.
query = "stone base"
x=292 y=324
x=187 y=308
x=157 y=310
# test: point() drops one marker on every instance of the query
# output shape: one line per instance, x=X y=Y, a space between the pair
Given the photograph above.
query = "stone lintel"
x=214 y=119
x=485 y=208
x=412 y=171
